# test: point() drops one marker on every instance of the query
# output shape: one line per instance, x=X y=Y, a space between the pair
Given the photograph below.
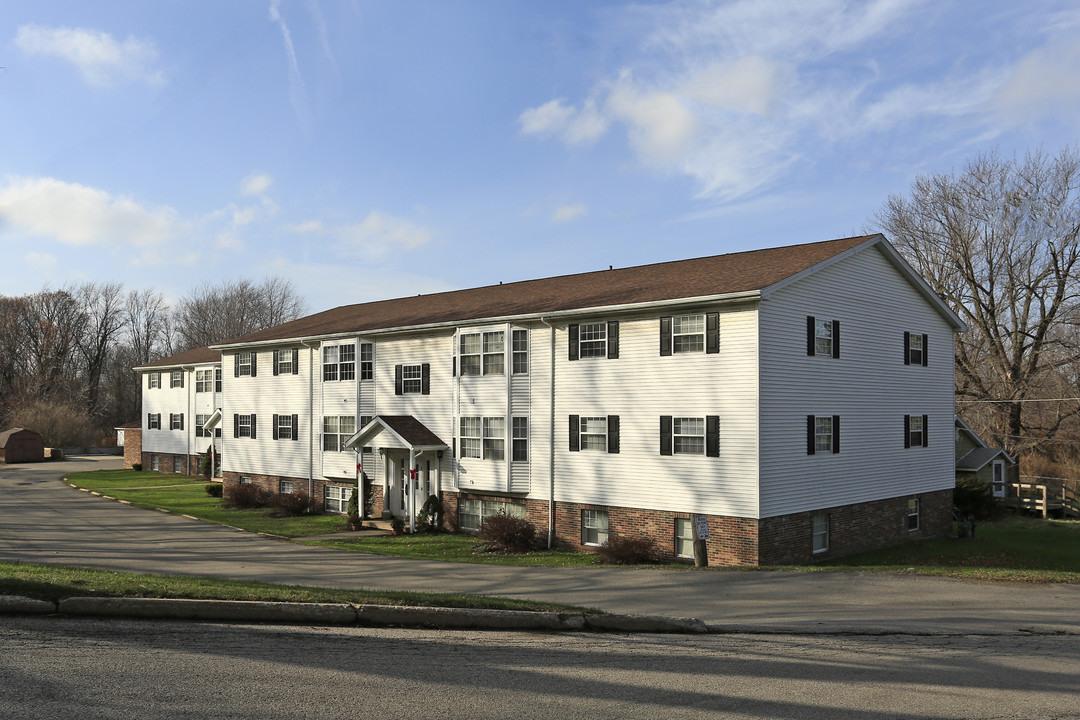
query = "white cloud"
x=78 y=215
x=256 y=184
x=308 y=226
x=297 y=91
x=1045 y=81
x=379 y=234
x=43 y=261
x=660 y=125
x=574 y=126
x=566 y=213
x=100 y=58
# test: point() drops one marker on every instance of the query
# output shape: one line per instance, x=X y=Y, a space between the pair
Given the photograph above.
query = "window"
x=245 y=480
x=412 y=379
x=999 y=478
x=472 y=513
x=201 y=420
x=336 y=430
x=915 y=349
x=688 y=436
x=153 y=380
x=286 y=362
x=594 y=527
x=155 y=462
x=520 y=349
x=339 y=362
x=178 y=465
x=367 y=361
x=594 y=433
x=176 y=421
x=286 y=487
x=822 y=434
x=494 y=438
x=245 y=426
x=153 y=421
x=822 y=337
x=915 y=431
x=285 y=427
x=337 y=498
x=483 y=353
x=245 y=364
x=688 y=333
x=913 y=514
x=204 y=381
x=217 y=380
x=820 y=524
x=176 y=379
x=684 y=538
x=592 y=340
x=520 y=430
x=471 y=441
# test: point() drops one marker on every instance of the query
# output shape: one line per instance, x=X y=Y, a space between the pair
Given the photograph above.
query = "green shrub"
x=353 y=508
x=507 y=534
x=206 y=467
x=137 y=467
x=294 y=503
x=430 y=516
x=214 y=489
x=397 y=526
x=628 y=550
x=972 y=497
x=246 y=495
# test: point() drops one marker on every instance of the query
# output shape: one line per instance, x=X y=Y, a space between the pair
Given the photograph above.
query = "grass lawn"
x=55 y=582
x=1014 y=548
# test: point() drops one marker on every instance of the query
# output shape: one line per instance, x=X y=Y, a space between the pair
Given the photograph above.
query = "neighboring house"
x=180 y=395
x=798 y=397
x=129 y=437
x=993 y=466
x=19 y=445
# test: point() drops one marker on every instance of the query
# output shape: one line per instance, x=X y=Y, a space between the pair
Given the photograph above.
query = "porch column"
x=386 y=483
x=411 y=496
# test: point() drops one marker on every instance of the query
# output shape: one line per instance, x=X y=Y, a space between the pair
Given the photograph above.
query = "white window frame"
x=204 y=381
x=154 y=380
x=593 y=431
x=819 y=528
x=153 y=421
x=914 y=510
x=494 y=438
x=284 y=362
x=997 y=478
x=200 y=420
x=286 y=487
x=176 y=379
x=915 y=437
x=486 y=353
x=592 y=340
x=471 y=437
x=684 y=537
x=823 y=434
x=155 y=462
x=519 y=348
x=243 y=364
x=176 y=421
x=178 y=465
x=823 y=338
x=913 y=339
x=367 y=361
x=336 y=498
x=594 y=527
x=243 y=426
x=285 y=429
x=336 y=430
x=217 y=380
x=686 y=335
x=683 y=440
x=519 y=428
x=472 y=512
x=412 y=379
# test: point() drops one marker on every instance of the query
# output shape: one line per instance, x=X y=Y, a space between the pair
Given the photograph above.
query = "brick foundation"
x=272 y=483
x=782 y=540
x=132 y=447
x=189 y=463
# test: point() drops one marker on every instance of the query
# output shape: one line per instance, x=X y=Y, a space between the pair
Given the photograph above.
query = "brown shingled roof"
x=411 y=430
x=198 y=356
x=716 y=275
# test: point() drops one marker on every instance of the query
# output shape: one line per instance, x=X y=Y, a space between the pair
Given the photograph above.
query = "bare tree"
x=103 y=311
x=213 y=313
x=1000 y=242
x=146 y=316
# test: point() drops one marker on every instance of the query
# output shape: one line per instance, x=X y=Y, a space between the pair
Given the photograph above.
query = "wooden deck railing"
x=1042 y=497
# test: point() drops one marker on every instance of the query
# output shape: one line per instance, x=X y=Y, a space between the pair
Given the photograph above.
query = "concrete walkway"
x=43 y=520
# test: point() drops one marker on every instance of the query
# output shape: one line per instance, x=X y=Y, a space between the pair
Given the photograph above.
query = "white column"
x=411 y=494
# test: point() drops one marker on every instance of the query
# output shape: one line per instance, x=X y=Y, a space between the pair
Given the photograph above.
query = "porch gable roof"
x=407 y=429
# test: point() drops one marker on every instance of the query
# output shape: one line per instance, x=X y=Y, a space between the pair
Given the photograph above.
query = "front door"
x=398 y=469
x=999 y=479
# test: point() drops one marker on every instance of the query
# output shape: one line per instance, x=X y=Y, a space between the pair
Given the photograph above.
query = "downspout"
x=311 y=419
x=551 y=444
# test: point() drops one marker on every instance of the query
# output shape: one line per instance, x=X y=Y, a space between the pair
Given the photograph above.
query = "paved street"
x=87 y=668
x=42 y=520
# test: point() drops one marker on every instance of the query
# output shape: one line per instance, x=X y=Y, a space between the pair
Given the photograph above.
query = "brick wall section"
x=788 y=539
x=784 y=540
x=272 y=483
x=132 y=447
x=189 y=466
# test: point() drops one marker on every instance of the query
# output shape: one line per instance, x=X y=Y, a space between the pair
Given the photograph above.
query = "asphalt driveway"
x=42 y=520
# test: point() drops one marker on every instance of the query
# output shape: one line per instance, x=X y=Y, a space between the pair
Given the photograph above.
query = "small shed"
x=19 y=445
x=993 y=466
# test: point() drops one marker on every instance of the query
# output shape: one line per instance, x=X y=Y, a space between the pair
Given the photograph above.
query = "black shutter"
x=811 y=440
x=836 y=338
x=572 y=342
x=907 y=429
x=296 y=361
x=295 y=425
x=274 y=423
x=170 y=420
x=613 y=340
x=253 y=422
x=149 y=416
x=236 y=365
x=148 y=386
x=254 y=366
x=276 y=361
x=235 y=425
x=925 y=429
x=613 y=433
x=397 y=380
x=453 y=447
x=835 y=434
x=712 y=332
x=712 y=435
x=575 y=436
x=907 y=348
x=425 y=378
x=665 y=336
x=453 y=367
x=925 y=351
x=665 y=434
x=810 y=327
x=182 y=421
x=181 y=378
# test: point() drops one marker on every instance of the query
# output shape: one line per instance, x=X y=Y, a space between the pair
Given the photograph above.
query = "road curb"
x=347 y=614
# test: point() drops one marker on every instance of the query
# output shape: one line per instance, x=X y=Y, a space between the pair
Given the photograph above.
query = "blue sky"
x=367 y=150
